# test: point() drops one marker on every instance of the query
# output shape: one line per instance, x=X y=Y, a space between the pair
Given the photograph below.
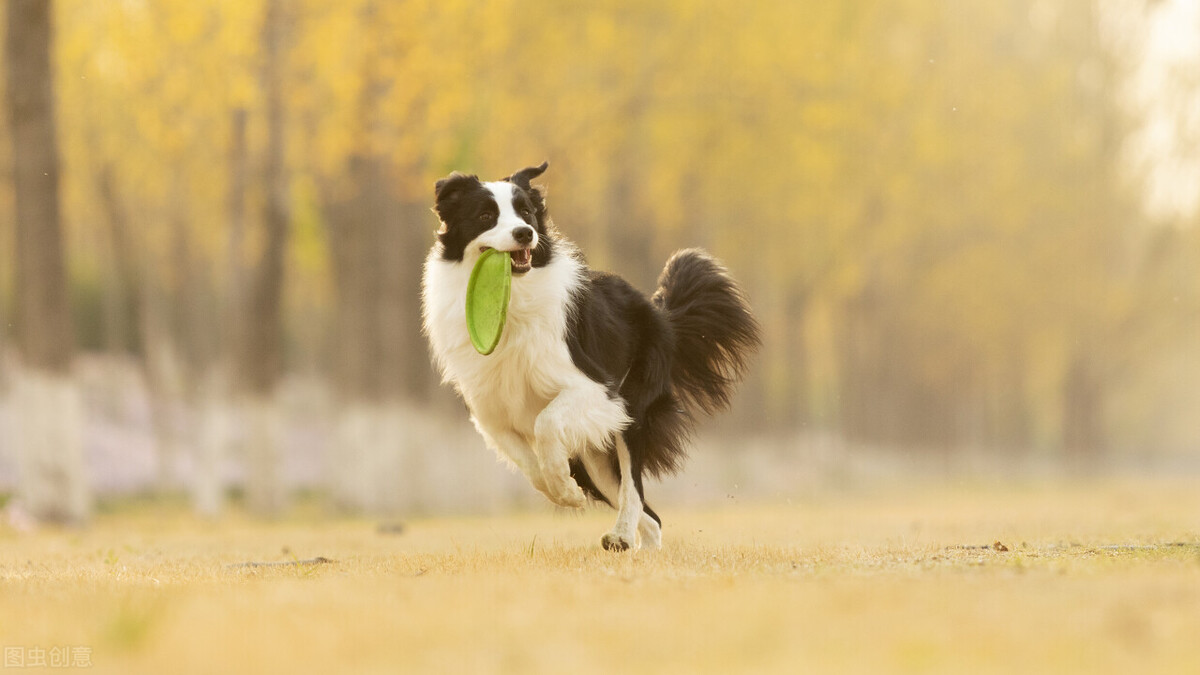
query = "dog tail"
x=715 y=332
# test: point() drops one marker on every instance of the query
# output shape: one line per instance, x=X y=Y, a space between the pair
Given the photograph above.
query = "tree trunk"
x=377 y=254
x=353 y=231
x=630 y=240
x=48 y=406
x=374 y=342
x=260 y=362
x=217 y=416
x=860 y=407
x=235 y=269
x=122 y=306
x=1083 y=435
x=121 y=296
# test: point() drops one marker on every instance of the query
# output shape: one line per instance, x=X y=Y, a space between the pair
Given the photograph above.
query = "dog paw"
x=569 y=495
x=615 y=542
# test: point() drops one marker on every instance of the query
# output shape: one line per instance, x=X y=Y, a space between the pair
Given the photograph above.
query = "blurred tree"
x=377 y=250
x=7 y=259
x=216 y=415
x=52 y=482
x=924 y=200
x=260 y=359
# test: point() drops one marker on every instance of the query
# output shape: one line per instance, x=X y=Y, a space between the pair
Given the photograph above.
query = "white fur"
x=527 y=399
x=650 y=532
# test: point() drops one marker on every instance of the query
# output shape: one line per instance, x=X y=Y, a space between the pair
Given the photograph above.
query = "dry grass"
x=850 y=583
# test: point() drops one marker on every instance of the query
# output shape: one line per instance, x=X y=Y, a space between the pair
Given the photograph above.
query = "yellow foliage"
x=952 y=163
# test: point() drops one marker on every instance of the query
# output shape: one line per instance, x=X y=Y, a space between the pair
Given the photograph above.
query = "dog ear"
x=449 y=188
x=522 y=177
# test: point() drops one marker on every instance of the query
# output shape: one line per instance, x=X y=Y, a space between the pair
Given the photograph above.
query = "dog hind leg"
x=629 y=504
x=650 y=529
x=603 y=472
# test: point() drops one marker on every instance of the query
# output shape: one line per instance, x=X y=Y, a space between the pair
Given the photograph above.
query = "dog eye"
x=526 y=213
x=485 y=217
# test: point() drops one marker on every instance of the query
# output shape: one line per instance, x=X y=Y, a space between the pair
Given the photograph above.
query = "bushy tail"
x=715 y=332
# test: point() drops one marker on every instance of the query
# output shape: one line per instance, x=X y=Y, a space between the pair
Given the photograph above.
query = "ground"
x=1098 y=576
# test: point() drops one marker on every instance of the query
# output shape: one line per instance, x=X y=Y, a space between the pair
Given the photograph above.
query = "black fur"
x=669 y=358
x=715 y=333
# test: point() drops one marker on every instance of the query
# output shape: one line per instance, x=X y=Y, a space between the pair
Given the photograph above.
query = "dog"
x=592 y=385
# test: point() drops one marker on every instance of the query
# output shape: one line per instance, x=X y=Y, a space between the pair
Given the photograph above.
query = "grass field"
x=1099 y=577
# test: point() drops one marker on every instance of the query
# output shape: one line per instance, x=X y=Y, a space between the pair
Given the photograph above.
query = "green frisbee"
x=487 y=299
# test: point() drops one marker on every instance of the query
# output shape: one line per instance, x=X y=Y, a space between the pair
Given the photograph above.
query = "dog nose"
x=523 y=235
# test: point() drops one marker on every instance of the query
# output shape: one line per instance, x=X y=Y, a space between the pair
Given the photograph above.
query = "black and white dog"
x=592 y=384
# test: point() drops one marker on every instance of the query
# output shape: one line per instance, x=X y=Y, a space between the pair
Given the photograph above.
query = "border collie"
x=592 y=384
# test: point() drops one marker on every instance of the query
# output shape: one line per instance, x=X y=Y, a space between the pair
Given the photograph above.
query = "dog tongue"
x=487 y=299
x=521 y=257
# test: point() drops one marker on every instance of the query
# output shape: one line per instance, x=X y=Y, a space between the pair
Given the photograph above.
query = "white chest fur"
x=531 y=364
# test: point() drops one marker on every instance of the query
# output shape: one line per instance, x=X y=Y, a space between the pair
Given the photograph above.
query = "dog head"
x=507 y=215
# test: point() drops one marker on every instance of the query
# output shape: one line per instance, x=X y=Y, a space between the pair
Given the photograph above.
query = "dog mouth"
x=522 y=259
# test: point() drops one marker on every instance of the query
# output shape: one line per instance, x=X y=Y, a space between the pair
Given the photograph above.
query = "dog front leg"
x=512 y=447
x=577 y=418
x=553 y=455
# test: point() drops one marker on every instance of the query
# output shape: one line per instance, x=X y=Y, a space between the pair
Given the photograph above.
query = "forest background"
x=969 y=228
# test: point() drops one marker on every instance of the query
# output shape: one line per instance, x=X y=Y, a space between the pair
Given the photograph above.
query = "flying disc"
x=487 y=299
